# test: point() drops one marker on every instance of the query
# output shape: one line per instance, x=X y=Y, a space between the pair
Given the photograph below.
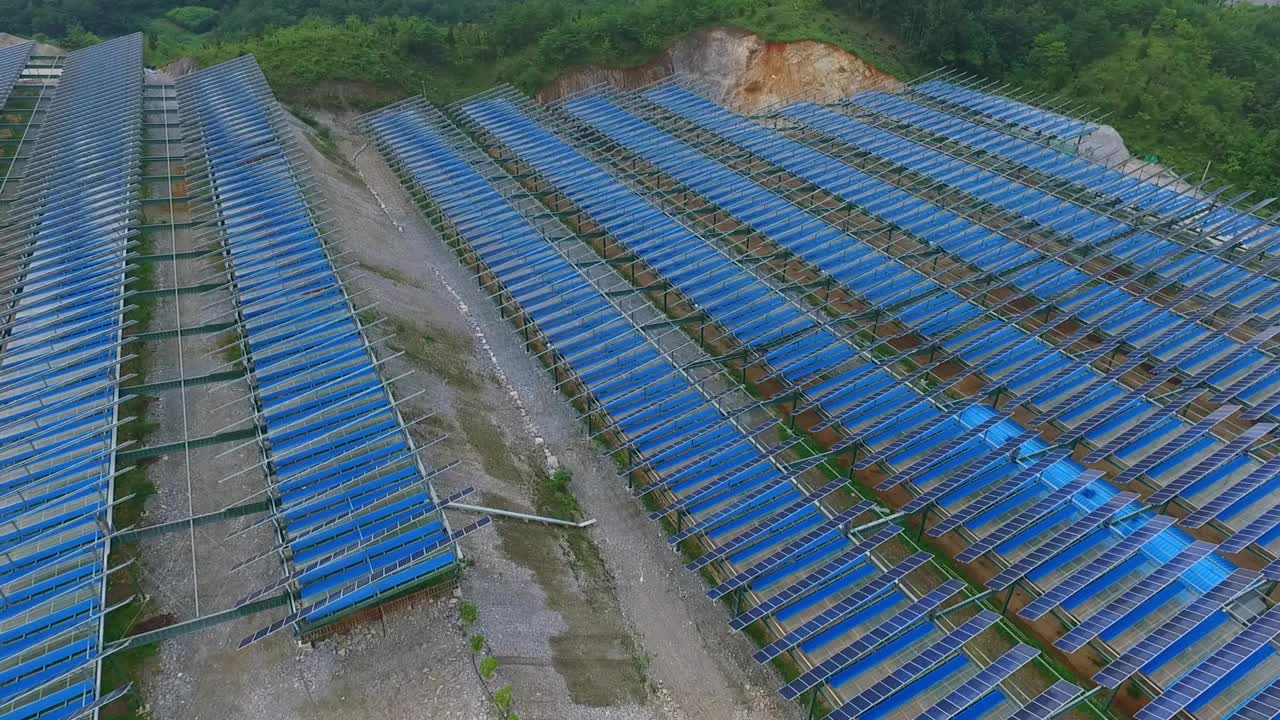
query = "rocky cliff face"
x=741 y=70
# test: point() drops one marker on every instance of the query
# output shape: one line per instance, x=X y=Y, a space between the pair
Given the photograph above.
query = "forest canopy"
x=1196 y=82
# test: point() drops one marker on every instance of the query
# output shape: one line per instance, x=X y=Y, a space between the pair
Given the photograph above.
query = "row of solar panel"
x=823 y=246
x=1133 y=189
x=1119 y=560
x=354 y=499
x=1154 y=441
x=1226 y=659
x=773 y=545
x=13 y=60
x=1247 y=651
x=65 y=248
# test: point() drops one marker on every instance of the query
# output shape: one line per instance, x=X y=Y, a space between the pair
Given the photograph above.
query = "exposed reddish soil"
x=740 y=70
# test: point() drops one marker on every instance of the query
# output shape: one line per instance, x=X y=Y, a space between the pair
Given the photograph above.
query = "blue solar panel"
x=818 y=577
x=915 y=667
x=1001 y=111
x=774 y=560
x=360 y=585
x=1122 y=550
x=1188 y=688
x=1253 y=531
x=1175 y=444
x=1239 y=385
x=987 y=679
x=940 y=454
x=1264 y=407
x=1051 y=503
x=915 y=434
x=1048 y=703
x=1174 y=629
x=1060 y=541
x=1263 y=706
x=1143 y=590
x=893 y=626
x=993 y=497
x=765 y=529
x=1079 y=396
x=12 y=60
x=1219 y=503
x=1142 y=427
x=1217 y=459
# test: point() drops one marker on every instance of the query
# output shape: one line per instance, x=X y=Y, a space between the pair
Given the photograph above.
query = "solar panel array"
x=65 y=251
x=12 y=60
x=737 y=218
x=353 y=499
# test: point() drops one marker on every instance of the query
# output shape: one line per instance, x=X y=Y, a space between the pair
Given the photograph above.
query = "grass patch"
x=441 y=353
x=391 y=274
x=232 y=349
x=553 y=497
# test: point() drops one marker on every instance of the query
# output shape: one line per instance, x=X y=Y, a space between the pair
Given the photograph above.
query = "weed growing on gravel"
x=121 y=668
x=391 y=274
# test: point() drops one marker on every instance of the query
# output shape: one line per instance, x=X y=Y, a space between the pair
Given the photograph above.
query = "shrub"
x=196 y=18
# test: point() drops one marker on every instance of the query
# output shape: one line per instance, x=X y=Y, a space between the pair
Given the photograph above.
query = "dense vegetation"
x=1196 y=81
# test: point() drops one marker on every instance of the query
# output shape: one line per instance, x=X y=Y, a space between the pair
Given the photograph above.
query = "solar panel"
x=986 y=680
x=819 y=577
x=944 y=451
x=1060 y=541
x=1263 y=706
x=1048 y=703
x=1142 y=427
x=890 y=628
x=917 y=666
x=1174 y=629
x=902 y=442
x=1143 y=590
x=385 y=571
x=767 y=528
x=1099 y=566
x=1216 y=505
x=98 y=704
x=1172 y=446
x=1267 y=369
x=993 y=497
x=12 y=60
x=1104 y=414
x=1051 y=503
x=975 y=468
x=1080 y=395
x=1199 y=345
x=1188 y=688
x=1264 y=407
x=1216 y=460
x=1252 y=532
x=776 y=559
x=736 y=507
x=1060 y=375
x=1272 y=571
